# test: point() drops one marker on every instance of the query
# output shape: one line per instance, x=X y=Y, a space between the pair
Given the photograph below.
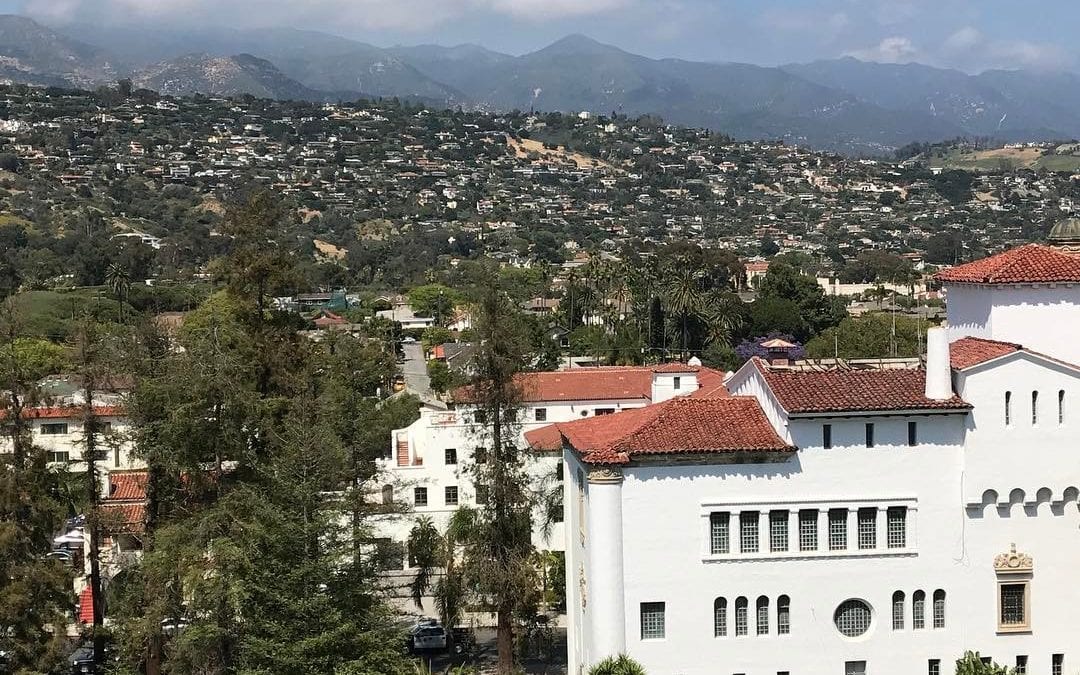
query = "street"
x=415 y=370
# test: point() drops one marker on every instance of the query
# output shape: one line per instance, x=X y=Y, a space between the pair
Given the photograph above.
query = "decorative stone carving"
x=583 y=587
x=1013 y=562
x=605 y=474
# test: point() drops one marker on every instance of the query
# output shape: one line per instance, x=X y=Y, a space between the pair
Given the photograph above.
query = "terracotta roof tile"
x=802 y=391
x=127 y=485
x=64 y=412
x=545 y=439
x=1032 y=263
x=124 y=516
x=681 y=425
x=971 y=351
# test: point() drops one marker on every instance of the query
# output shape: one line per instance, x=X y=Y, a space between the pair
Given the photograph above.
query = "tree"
x=442 y=377
x=119 y=283
x=972 y=664
x=684 y=299
x=617 y=665
x=434 y=300
x=876 y=335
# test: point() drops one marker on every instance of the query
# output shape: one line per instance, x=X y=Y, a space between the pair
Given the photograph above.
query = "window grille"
x=1061 y=407
x=1008 y=408
x=1057 y=664
x=450 y=456
x=852 y=618
x=939 y=608
x=420 y=496
x=652 y=621
x=918 y=610
x=778 y=531
x=898 y=602
x=808 y=534
x=451 y=495
x=934 y=667
x=749 y=539
x=741 y=620
x=896 y=523
x=867 y=529
x=838 y=529
x=783 y=615
x=719 y=533
x=763 y=615
x=1013 y=605
x=1021 y=665
x=720 y=617
x=1034 y=408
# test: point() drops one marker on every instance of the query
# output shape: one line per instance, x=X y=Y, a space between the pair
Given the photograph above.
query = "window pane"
x=652 y=620
x=838 y=529
x=451 y=495
x=741 y=622
x=1021 y=665
x=912 y=433
x=763 y=616
x=826 y=436
x=783 y=615
x=867 y=529
x=852 y=618
x=808 y=530
x=1057 y=664
x=719 y=533
x=778 y=531
x=869 y=434
x=934 y=667
x=897 y=526
x=898 y=610
x=420 y=496
x=451 y=456
x=720 y=617
x=918 y=610
x=748 y=532
x=1012 y=605
x=939 y=609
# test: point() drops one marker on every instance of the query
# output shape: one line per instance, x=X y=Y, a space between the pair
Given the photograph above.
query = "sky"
x=970 y=35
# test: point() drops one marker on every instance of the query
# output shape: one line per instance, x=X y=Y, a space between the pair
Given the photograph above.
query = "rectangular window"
x=896 y=522
x=742 y=622
x=451 y=495
x=778 y=531
x=59 y=457
x=450 y=455
x=652 y=621
x=826 y=436
x=749 y=539
x=783 y=615
x=1034 y=408
x=869 y=434
x=420 y=496
x=933 y=667
x=605 y=411
x=677 y=382
x=540 y=414
x=1061 y=407
x=1021 y=665
x=912 y=434
x=808 y=523
x=838 y=529
x=855 y=668
x=867 y=529
x=1008 y=408
x=55 y=429
x=719 y=533
x=1057 y=664
x=1013 y=606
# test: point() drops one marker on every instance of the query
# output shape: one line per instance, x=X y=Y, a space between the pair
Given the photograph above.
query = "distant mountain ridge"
x=841 y=104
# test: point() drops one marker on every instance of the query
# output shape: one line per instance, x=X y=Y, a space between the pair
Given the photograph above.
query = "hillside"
x=32 y=53
x=222 y=76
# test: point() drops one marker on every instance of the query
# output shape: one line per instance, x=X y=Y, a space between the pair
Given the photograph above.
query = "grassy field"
x=1005 y=159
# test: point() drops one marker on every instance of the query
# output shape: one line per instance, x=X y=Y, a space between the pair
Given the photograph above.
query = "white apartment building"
x=427 y=466
x=843 y=521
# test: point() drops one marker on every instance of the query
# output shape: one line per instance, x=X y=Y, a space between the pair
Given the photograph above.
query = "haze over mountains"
x=841 y=104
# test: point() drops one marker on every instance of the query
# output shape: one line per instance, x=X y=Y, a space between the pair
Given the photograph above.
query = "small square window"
x=420 y=496
x=677 y=382
x=826 y=436
x=855 y=668
x=869 y=434
x=451 y=495
x=652 y=621
x=540 y=414
x=450 y=455
x=912 y=433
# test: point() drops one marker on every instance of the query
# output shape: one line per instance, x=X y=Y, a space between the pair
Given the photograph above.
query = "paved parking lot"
x=486 y=659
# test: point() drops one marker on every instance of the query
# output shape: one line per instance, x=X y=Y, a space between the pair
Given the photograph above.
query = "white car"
x=427 y=636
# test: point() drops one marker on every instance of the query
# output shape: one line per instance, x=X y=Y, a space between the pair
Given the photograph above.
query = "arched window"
x=783 y=615
x=939 y=608
x=1061 y=406
x=388 y=494
x=1008 y=408
x=742 y=606
x=918 y=610
x=1034 y=408
x=762 y=615
x=720 y=617
x=898 y=602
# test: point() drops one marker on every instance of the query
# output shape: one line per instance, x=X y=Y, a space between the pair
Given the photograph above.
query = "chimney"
x=938 y=367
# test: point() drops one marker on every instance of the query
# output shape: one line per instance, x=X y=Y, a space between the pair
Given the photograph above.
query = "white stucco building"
x=844 y=521
x=428 y=466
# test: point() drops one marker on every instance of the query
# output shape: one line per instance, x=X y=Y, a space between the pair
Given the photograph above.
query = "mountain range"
x=842 y=104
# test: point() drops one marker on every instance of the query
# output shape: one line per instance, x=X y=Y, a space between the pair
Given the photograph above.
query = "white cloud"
x=895 y=49
x=552 y=9
x=962 y=40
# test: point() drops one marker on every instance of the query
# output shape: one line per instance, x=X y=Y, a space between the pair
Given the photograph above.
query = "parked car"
x=427 y=635
x=82 y=660
x=464 y=640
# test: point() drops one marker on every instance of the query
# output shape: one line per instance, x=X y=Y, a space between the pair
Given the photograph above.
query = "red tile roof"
x=124 y=516
x=547 y=438
x=678 y=426
x=127 y=485
x=1032 y=263
x=971 y=351
x=805 y=391
x=68 y=412
x=599 y=384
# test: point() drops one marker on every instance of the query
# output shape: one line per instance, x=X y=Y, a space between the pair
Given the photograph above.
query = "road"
x=415 y=370
x=488 y=657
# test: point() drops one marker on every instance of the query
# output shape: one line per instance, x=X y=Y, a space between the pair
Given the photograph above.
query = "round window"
x=852 y=618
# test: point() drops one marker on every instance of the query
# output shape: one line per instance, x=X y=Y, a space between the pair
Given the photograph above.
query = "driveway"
x=488 y=656
x=415 y=370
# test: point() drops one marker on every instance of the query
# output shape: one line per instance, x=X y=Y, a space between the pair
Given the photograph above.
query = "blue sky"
x=967 y=34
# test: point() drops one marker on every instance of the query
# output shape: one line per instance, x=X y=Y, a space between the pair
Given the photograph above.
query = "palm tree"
x=618 y=665
x=684 y=297
x=430 y=552
x=119 y=283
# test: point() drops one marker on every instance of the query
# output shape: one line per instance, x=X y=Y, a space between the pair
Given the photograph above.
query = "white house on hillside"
x=841 y=521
